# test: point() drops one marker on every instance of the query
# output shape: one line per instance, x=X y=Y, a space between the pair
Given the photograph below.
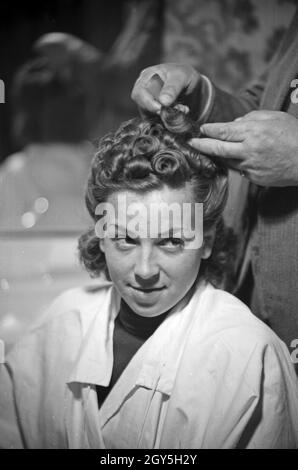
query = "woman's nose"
x=146 y=269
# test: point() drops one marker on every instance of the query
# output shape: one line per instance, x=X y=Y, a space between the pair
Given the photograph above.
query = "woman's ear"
x=208 y=242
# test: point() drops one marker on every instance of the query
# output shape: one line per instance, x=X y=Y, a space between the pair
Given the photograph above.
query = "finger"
x=146 y=90
x=173 y=86
x=163 y=83
x=145 y=100
x=218 y=148
x=229 y=131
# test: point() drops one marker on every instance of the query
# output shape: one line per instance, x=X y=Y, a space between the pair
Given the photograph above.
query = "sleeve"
x=10 y=431
x=274 y=424
x=217 y=105
x=244 y=394
x=220 y=106
x=26 y=375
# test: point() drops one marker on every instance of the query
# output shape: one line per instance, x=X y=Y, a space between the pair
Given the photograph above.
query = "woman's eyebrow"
x=124 y=230
x=176 y=231
x=170 y=232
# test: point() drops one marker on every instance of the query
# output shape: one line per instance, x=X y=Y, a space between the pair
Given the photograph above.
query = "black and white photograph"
x=148 y=227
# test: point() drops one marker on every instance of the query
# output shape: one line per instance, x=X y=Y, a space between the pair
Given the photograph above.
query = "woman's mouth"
x=148 y=290
x=146 y=296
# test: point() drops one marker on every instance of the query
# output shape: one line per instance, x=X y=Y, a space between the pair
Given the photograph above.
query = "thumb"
x=171 y=89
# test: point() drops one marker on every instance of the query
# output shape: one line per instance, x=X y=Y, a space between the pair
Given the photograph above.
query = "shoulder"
x=232 y=345
x=60 y=327
x=232 y=323
x=74 y=305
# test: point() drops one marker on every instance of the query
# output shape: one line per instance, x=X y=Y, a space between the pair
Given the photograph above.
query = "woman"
x=57 y=104
x=156 y=356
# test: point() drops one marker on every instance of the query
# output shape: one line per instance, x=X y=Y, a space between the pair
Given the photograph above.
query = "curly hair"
x=145 y=154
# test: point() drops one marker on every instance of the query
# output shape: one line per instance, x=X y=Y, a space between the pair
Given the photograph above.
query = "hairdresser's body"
x=156 y=357
x=263 y=146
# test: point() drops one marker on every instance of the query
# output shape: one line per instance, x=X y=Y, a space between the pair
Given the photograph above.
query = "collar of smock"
x=155 y=364
x=95 y=357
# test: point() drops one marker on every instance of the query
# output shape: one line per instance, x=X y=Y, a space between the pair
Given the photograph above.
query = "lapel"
x=95 y=358
x=153 y=368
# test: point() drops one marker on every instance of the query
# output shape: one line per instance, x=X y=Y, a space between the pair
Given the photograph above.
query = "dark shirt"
x=130 y=332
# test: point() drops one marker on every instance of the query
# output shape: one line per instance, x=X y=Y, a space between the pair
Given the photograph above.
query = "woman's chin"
x=146 y=305
x=145 y=310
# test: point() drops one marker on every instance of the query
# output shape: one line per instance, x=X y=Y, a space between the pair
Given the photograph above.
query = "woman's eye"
x=172 y=242
x=130 y=240
x=124 y=241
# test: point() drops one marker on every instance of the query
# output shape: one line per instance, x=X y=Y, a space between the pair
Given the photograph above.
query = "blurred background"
x=46 y=133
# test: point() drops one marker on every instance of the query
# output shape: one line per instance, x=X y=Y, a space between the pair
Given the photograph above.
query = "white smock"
x=211 y=376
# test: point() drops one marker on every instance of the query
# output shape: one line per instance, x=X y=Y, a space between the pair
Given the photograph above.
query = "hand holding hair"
x=164 y=84
x=263 y=145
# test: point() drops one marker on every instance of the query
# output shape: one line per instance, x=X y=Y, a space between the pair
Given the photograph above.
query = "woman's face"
x=151 y=256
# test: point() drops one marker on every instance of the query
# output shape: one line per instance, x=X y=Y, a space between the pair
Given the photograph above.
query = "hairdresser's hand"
x=262 y=145
x=164 y=84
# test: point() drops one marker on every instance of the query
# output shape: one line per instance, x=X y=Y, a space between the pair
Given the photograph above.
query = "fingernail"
x=157 y=107
x=165 y=99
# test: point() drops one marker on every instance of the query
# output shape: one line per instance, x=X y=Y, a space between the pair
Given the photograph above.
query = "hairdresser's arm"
x=263 y=145
x=226 y=107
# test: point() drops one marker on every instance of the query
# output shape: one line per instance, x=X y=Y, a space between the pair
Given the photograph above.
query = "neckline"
x=136 y=325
